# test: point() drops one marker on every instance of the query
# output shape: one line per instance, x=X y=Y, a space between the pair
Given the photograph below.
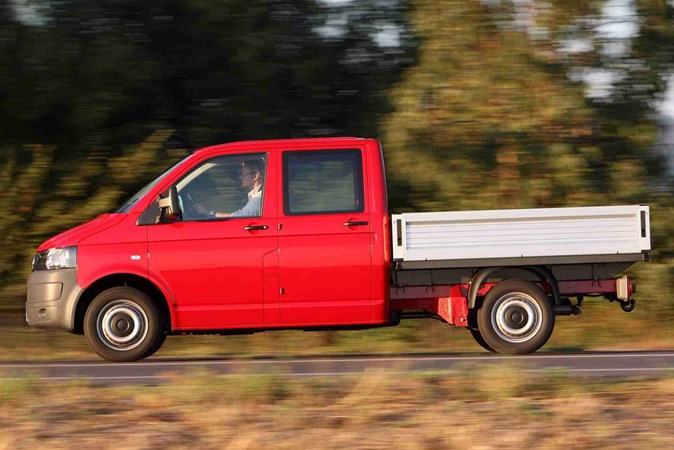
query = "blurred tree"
x=523 y=104
x=37 y=200
x=495 y=114
x=83 y=81
x=484 y=111
x=213 y=71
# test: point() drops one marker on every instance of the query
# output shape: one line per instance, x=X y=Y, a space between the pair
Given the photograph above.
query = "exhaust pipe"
x=568 y=310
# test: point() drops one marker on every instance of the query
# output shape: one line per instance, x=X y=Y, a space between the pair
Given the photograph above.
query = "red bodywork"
x=301 y=271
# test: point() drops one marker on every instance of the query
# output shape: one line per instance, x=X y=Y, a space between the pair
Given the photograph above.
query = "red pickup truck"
x=261 y=235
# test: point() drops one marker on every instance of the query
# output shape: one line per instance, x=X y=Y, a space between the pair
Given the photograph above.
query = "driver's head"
x=252 y=173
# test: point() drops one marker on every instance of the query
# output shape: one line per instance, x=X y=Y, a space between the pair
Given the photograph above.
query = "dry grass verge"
x=497 y=409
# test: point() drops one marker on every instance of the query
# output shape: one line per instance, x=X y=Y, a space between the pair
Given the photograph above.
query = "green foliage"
x=490 y=118
x=494 y=115
x=42 y=197
x=83 y=83
x=491 y=114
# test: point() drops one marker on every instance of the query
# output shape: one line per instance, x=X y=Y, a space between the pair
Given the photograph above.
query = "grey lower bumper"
x=52 y=297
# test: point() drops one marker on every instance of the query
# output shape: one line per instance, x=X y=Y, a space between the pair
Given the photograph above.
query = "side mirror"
x=169 y=205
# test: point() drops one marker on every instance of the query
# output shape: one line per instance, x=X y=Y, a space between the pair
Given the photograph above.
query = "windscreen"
x=132 y=201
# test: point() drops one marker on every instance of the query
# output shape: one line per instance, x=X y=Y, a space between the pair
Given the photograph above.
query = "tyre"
x=123 y=324
x=516 y=318
x=480 y=340
x=475 y=332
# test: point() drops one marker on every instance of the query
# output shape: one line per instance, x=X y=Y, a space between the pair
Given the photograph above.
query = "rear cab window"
x=323 y=182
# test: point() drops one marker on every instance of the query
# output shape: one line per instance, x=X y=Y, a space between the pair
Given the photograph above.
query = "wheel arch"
x=543 y=273
x=122 y=279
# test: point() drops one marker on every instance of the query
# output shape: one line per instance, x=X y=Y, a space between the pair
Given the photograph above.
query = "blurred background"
x=478 y=104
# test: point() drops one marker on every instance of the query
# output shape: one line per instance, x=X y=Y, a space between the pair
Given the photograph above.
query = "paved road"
x=152 y=371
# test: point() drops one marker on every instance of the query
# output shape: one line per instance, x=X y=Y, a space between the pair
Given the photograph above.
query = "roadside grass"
x=13 y=297
x=22 y=343
x=603 y=326
x=500 y=408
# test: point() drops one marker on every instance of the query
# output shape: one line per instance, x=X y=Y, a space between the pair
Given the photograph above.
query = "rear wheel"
x=480 y=340
x=123 y=324
x=516 y=318
x=475 y=332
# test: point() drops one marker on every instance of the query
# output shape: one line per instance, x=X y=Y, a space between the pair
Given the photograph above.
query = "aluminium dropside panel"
x=523 y=234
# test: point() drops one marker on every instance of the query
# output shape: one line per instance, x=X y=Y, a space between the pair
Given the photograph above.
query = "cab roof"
x=300 y=142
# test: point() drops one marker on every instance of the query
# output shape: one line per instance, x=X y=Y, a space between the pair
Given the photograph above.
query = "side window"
x=227 y=186
x=322 y=182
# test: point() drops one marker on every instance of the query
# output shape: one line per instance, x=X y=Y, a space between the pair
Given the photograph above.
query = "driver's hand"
x=201 y=209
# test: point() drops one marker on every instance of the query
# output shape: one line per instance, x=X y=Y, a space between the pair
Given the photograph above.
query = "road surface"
x=153 y=371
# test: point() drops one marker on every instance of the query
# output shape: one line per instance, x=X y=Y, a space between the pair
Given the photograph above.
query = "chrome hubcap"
x=516 y=317
x=122 y=325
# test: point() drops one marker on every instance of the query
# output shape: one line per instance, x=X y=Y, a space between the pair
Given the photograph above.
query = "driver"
x=252 y=178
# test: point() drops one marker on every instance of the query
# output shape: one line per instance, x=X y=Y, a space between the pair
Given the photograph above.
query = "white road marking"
x=332 y=374
x=195 y=361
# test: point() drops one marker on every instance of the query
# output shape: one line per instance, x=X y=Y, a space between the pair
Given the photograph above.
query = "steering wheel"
x=189 y=206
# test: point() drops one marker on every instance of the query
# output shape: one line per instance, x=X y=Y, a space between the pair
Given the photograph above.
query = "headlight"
x=56 y=258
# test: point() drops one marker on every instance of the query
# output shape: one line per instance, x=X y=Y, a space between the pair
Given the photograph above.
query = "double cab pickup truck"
x=296 y=234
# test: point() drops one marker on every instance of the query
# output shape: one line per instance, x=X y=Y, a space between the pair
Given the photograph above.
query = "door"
x=325 y=262
x=213 y=258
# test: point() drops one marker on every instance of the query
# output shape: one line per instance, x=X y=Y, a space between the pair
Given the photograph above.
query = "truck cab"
x=186 y=254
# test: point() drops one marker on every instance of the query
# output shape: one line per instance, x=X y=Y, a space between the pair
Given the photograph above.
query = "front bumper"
x=51 y=300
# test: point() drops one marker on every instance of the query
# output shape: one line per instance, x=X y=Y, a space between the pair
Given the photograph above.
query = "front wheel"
x=123 y=324
x=516 y=318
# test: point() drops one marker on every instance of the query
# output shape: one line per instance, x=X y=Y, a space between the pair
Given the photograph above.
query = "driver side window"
x=226 y=186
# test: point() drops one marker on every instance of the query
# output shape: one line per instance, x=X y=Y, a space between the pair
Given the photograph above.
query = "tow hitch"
x=628 y=305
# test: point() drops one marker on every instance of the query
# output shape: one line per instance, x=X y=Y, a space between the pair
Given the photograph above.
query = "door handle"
x=355 y=224
x=255 y=227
